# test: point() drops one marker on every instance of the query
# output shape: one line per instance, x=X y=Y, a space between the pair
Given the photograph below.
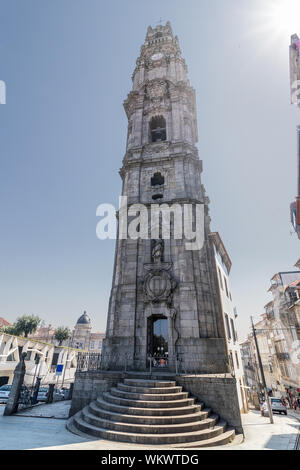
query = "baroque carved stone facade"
x=161 y=279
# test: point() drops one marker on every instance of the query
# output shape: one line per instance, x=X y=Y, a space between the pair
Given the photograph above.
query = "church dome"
x=84 y=319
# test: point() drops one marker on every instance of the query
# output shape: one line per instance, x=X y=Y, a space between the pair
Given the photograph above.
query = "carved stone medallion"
x=159 y=286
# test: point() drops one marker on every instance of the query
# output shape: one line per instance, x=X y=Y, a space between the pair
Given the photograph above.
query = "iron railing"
x=93 y=362
x=88 y=362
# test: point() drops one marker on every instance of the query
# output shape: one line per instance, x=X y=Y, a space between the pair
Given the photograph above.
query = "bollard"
x=50 y=393
x=13 y=400
x=150 y=359
x=36 y=390
x=71 y=391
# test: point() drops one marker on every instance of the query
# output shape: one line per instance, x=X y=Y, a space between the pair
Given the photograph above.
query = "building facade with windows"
x=295 y=205
x=278 y=337
x=250 y=366
x=83 y=338
x=283 y=315
x=44 y=333
x=295 y=69
x=41 y=360
x=4 y=322
x=295 y=100
x=223 y=265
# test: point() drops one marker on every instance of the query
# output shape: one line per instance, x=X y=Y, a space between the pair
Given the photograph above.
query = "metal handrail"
x=93 y=362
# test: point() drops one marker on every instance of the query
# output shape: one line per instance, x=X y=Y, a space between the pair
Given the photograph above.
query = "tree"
x=9 y=330
x=26 y=324
x=62 y=333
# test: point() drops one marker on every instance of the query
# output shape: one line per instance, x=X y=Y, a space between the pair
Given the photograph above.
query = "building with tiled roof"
x=4 y=322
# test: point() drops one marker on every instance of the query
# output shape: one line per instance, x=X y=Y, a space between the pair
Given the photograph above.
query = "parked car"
x=66 y=392
x=277 y=406
x=4 y=393
x=58 y=394
x=43 y=394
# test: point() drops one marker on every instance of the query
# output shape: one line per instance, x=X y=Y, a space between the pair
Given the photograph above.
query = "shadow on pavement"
x=287 y=442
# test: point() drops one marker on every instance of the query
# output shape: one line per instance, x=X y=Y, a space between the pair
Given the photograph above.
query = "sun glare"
x=283 y=16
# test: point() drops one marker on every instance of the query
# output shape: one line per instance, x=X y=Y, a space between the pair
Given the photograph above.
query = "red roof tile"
x=4 y=322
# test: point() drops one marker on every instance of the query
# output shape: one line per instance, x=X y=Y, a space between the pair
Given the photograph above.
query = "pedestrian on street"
x=263 y=408
x=295 y=404
x=283 y=400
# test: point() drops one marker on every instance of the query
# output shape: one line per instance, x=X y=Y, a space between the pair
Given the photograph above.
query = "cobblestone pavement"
x=58 y=410
x=260 y=434
x=26 y=430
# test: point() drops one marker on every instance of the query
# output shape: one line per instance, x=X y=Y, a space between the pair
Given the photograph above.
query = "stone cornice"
x=170 y=202
x=150 y=161
x=159 y=149
x=146 y=62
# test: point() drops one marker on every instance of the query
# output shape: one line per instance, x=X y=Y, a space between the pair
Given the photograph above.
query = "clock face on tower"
x=157 y=56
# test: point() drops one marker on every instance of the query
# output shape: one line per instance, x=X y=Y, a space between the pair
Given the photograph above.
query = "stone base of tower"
x=202 y=355
x=217 y=391
x=118 y=353
x=194 y=355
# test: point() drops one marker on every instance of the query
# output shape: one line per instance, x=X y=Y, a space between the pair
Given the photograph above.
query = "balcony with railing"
x=283 y=356
x=292 y=295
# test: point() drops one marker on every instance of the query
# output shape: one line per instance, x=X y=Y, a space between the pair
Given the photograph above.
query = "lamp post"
x=262 y=375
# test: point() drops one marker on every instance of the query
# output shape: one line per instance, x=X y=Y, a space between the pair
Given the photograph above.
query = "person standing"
x=295 y=404
x=283 y=401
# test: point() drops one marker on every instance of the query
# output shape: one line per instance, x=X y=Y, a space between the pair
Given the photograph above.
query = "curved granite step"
x=147 y=390
x=116 y=414
x=149 y=396
x=91 y=418
x=132 y=410
x=149 y=383
x=147 y=404
x=152 y=439
x=151 y=412
x=227 y=437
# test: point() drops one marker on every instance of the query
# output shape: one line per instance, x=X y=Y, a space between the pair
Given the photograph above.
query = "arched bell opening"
x=157 y=179
x=158 y=131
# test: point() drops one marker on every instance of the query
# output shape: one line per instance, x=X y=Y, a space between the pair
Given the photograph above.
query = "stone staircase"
x=154 y=412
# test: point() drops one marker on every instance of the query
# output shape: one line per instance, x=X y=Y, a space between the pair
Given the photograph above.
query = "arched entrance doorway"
x=158 y=347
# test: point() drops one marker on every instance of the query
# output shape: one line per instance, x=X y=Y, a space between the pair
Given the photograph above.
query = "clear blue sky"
x=67 y=65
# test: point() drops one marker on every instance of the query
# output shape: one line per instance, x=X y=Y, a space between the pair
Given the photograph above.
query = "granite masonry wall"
x=88 y=386
x=218 y=392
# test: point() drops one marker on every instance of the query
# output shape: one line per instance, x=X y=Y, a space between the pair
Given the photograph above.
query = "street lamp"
x=267 y=398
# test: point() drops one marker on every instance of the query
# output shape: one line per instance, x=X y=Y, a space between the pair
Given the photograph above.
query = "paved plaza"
x=35 y=429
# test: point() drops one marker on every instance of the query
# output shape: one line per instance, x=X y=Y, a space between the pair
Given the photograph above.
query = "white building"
x=41 y=360
x=83 y=338
x=295 y=100
x=295 y=69
x=223 y=264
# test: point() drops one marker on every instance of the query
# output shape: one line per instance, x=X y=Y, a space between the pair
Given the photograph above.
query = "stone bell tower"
x=164 y=300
